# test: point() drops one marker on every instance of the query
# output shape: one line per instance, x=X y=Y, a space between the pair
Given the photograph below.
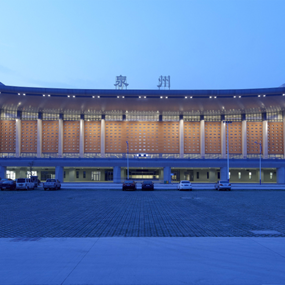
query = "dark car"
x=129 y=185
x=147 y=185
x=4 y=180
x=8 y=185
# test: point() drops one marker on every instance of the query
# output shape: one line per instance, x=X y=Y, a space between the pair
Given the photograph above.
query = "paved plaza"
x=163 y=213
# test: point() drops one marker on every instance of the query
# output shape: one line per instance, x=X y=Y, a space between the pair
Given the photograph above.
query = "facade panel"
x=115 y=137
x=191 y=137
x=235 y=138
x=275 y=137
x=92 y=136
x=71 y=133
x=170 y=137
x=29 y=136
x=213 y=137
x=254 y=134
x=50 y=136
x=7 y=136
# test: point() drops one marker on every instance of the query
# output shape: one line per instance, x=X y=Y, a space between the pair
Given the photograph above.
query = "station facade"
x=88 y=135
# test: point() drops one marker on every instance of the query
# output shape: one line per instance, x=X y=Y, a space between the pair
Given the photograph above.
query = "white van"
x=24 y=183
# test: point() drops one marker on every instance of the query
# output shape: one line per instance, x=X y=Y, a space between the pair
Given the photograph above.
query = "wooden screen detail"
x=29 y=136
x=92 y=136
x=170 y=137
x=212 y=137
x=254 y=134
x=50 y=136
x=275 y=138
x=71 y=135
x=115 y=137
x=191 y=137
x=235 y=140
x=143 y=137
x=7 y=136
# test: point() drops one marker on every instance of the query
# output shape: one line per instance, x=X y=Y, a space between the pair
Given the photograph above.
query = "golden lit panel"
x=235 y=139
x=7 y=136
x=254 y=134
x=71 y=133
x=191 y=137
x=92 y=136
x=115 y=137
x=275 y=138
x=29 y=136
x=49 y=136
x=213 y=137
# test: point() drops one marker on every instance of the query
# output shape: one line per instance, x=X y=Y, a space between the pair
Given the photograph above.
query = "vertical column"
x=2 y=172
x=264 y=136
x=244 y=136
x=60 y=135
x=103 y=136
x=181 y=136
x=81 y=139
x=167 y=174
x=223 y=137
x=59 y=173
x=283 y=117
x=18 y=133
x=117 y=174
x=39 y=135
x=223 y=173
x=202 y=136
x=280 y=175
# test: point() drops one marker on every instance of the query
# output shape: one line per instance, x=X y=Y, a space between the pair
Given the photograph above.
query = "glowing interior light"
x=258 y=95
x=48 y=95
x=215 y=97
x=123 y=96
x=24 y=94
x=264 y=95
x=98 y=96
x=44 y=95
x=191 y=97
x=93 y=96
x=144 y=96
x=235 y=96
x=239 y=96
x=185 y=97
x=166 y=97
x=68 y=96
x=210 y=97
x=118 y=96
x=73 y=96
x=140 y=96
x=19 y=94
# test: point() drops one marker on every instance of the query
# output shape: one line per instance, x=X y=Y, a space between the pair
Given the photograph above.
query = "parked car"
x=185 y=185
x=223 y=185
x=147 y=185
x=3 y=180
x=8 y=185
x=24 y=183
x=35 y=180
x=52 y=184
x=129 y=185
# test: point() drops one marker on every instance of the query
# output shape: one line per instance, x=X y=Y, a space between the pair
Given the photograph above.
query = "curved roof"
x=106 y=100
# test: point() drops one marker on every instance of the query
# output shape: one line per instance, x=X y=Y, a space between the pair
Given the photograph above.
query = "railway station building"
x=84 y=135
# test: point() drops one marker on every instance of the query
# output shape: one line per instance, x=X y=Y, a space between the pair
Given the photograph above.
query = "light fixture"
x=210 y=97
x=44 y=95
x=19 y=93
x=98 y=96
x=185 y=97
x=140 y=96
x=264 y=95
x=48 y=95
x=73 y=96
x=118 y=96
x=144 y=97
x=283 y=94
x=123 y=96
x=215 y=97
x=24 y=94
x=239 y=96
x=161 y=97
x=68 y=96
x=93 y=96
x=235 y=96
x=191 y=97
x=166 y=97
x=258 y=95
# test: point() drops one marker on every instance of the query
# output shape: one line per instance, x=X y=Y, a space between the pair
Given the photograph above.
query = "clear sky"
x=222 y=44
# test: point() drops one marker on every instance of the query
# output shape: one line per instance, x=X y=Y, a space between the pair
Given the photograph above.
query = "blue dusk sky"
x=225 y=44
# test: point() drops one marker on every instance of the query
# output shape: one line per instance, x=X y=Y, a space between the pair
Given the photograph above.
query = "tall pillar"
x=244 y=136
x=202 y=136
x=181 y=136
x=3 y=171
x=223 y=137
x=59 y=173
x=103 y=136
x=117 y=174
x=39 y=135
x=81 y=138
x=283 y=117
x=264 y=136
x=280 y=175
x=18 y=133
x=167 y=174
x=60 y=135
x=223 y=173
x=71 y=174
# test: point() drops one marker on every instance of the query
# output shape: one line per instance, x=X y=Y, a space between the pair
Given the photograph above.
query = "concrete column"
x=283 y=117
x=212 y=175
x=244 y=136
x=123 y=174
x=59 y=173
x=103 y=136
x=60 y=135
x=223 y=139
x=280 y=175
x=81 y=139
x=18 y=134
x=264 y=136
x=202 y=136
x=3 y=171
x=181 y=136
x=117 y=174
x=71 y=174
x=167 y=174
x=223 y=173
x=39 y=135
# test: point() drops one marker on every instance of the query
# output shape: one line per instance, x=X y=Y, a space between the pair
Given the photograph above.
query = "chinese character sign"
x=121 y=81
x=164 y=81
